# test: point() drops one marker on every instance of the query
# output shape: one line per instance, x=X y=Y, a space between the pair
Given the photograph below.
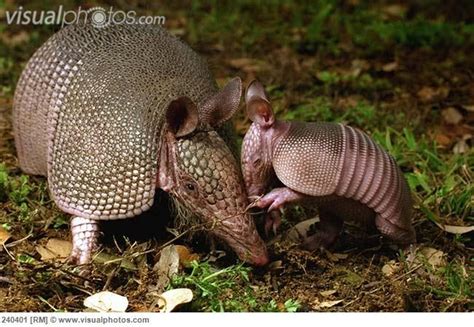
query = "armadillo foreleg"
x=279 y=197
x=85 y=233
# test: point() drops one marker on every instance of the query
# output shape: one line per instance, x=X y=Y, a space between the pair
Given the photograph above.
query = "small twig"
x=49 y=305
x=8 y=252
x=14 y=243
x=5 y=280
x=117 y=246
x=109 y=278
x=380 y=287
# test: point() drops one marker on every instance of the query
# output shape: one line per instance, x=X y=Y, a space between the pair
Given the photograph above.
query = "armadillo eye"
x=190 y=186
x=257 y=162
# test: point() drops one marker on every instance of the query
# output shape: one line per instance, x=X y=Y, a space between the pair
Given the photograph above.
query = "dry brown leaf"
x=395 y=10
x=456 y=229
x=435 y=257
x=55 y=249
x=358 y=66
x=106 y=258
x=390 y=67
x=428 y=94
x=15 y=39
x=328 y=304
x=248 y=65
x=4 y=235
x=442 y=139
x=328 y=293
x=335 y=257
x=451 y=115
x=167 y=266
x=299 y=232
x=185 y=255
x=390 y=268
x=461 y=146
x=275 y=265
x=469 y=108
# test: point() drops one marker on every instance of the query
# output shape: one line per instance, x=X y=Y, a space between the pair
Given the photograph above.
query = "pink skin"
x=257 y=166
x=257 y=151
x=280 y=197
x=275 y=200
x=259 y=143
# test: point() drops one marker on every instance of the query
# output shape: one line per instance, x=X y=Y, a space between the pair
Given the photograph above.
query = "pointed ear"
x=182 y=116
x=259 y=109
x=255 y=88
x=222 y=106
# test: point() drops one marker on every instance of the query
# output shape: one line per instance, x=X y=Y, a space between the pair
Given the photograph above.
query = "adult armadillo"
x=336 y=166
x=109 y=114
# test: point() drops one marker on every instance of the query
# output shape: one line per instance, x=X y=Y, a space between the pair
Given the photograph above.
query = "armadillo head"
x=198 y=169
x=256 y=163
x=259 y=141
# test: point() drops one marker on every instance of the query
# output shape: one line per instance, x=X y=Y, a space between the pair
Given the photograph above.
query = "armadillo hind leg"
x=325 y=232
x=85 y=234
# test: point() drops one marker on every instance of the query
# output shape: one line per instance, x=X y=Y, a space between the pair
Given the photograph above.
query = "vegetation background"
x=402 y=71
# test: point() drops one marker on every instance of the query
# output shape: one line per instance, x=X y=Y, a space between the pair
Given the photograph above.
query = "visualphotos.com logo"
x=97 y=16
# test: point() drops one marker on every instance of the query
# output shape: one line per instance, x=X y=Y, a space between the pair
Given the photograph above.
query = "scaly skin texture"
x=336 y=167
x=105 y=113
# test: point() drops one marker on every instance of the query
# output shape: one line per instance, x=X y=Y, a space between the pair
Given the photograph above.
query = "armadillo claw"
x=272 y=222
x=278 y=197
x=85 y=233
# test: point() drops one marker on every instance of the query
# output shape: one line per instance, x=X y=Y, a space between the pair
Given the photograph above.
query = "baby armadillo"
x=337 y=167
x=109 y=114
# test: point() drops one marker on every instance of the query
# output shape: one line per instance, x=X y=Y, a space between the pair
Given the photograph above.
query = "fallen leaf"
x=395 y=10
x=329 y=304
x=428 y=94
x=106 y=302
x=435 y=257
x=172 y=298
x=335 y=257
x=106 y=258
x=456 y=229
x=442 y=139
x=4 y=235
x=358 y=66
x=167 y=266
x=300 y=231
x=451 y=115
x=390 y=67
x=248 y=65
x=15 y=39
x=185 y=255
x=461 y=146
x=390 y=268
x=55 y=249
x=275 y=265
x=469 y=108
x=328 y=293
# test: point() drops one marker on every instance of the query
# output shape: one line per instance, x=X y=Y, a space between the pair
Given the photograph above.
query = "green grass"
x=452 y=283
x=319 y=26
x=333 y=34
x=226 y=289
x=442 y=182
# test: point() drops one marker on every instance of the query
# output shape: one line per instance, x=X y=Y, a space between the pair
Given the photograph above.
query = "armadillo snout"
x=210 y=184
